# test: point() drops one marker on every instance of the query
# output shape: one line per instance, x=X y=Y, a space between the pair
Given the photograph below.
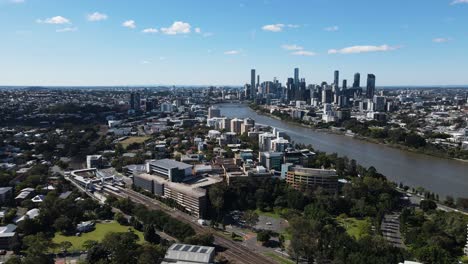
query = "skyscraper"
x=296 y=77
x=253 y=87
x=345 y=84
x=135 y=101
x=357 y=80
x=337 y=79
x=370 y=86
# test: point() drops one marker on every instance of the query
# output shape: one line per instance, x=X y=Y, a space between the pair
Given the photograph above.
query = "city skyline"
x=52 y=43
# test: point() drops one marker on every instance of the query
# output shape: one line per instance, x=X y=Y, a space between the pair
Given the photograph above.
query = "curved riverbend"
x=442 y=176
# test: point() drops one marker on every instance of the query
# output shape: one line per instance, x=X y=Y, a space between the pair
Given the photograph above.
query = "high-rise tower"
x=357 y=80
x=253 y=87
x=370 y=86
x=296 y=76
x=337 y=79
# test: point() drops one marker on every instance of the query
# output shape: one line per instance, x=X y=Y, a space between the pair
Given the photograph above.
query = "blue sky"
x=133 y=42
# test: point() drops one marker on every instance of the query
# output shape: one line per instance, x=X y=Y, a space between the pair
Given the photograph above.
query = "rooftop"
x=170 y=164
x=190 y=253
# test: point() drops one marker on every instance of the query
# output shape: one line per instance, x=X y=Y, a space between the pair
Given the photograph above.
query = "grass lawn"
x=279 y=259
x=356 y=227
x=98 y=234
x=131 y=140
x=274 y=214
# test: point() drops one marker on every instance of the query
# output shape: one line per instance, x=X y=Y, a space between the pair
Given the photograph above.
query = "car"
x=3 y=252
x=268 y=223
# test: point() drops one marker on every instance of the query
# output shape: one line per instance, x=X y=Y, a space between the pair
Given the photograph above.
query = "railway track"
x=233 y=251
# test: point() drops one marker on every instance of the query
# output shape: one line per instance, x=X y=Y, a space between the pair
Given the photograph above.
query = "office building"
x=253 y=87
x=264 y=141
x=379 y=103
x=370 y=86
x=296 y=77
x=236 y=125
x=271 y=160
x=185 y=254
x=214 y=112
x=279 y=144
x=191 y=197
x=345 y=84
x=336 y=81
x=135 y=101
x=94 y=161
x=357 y=80
x=171 y=170
x=302 y=178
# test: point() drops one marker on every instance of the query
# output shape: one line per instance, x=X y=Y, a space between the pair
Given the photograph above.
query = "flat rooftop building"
x=172 y=170
x=191 y=195
x=185 y=254
x=308 y=178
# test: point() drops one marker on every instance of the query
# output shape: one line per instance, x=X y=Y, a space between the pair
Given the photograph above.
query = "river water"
x=442 y=176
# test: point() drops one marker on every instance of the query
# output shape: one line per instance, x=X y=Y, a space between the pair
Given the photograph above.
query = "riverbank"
x=359 y=137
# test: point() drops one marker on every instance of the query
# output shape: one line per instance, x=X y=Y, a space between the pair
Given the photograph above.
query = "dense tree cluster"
x=434 y=236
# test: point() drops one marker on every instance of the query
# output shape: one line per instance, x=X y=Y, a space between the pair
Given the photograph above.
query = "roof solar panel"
x=195 y=249
x=177 y=247
x=186 y=248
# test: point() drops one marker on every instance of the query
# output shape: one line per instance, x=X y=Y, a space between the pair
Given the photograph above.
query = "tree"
x=216 y=196
x=64 y=225
x=120 y=218
x=151 y=254
x=206 y=239
x=122 y=247
x=250 y=217
x=427 y=205
x=88 y=244
x=150 y=235
x=64 y=246
x=263 y=236
x=37 y=247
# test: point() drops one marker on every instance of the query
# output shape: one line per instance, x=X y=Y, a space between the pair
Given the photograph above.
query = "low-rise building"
x=184 y=254
x=5 y=194
x=308 y=178
x=7 y=233
x=169 y=169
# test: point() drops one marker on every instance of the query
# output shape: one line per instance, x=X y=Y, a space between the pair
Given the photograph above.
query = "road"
x=233 y=250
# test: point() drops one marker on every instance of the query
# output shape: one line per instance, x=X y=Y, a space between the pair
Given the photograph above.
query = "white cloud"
x=456 y=2
x=441 y=40
x=332 y=28
x=207 y=34
x=278 y=27
x=292 y=47
x=57 y=20
x=198 y=30
x=178 y=27
x=129 y=24
x=232 y=52
x=67 y=29
x=96 y=16
x=150 y=30
x=304 y=53
x=17 y=1
x=273 y=27
x=362 y=49
x=145 y=62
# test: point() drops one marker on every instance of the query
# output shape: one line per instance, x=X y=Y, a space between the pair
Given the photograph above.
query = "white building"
x=182 y=254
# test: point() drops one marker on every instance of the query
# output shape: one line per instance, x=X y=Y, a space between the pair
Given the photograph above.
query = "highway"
x=234 y=252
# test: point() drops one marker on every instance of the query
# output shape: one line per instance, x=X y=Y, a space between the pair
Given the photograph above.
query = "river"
x=442 y=176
